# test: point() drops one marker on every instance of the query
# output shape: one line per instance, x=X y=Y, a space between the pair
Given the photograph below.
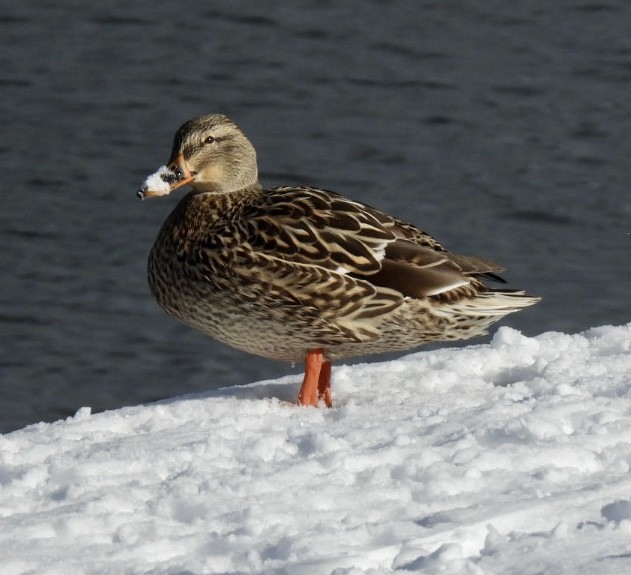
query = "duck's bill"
x=164 y=181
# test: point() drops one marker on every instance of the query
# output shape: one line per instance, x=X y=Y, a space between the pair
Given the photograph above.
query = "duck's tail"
x=472 y=316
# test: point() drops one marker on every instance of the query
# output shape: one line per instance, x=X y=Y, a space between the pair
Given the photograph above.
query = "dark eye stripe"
x=211 y=139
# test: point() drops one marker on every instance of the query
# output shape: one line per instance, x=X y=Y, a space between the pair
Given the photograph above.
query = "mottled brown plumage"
x=291 y=270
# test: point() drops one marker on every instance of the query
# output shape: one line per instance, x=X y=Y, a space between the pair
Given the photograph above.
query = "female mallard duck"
x=299 y=273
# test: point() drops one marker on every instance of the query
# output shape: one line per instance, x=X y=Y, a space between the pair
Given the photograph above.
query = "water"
x=501 y=128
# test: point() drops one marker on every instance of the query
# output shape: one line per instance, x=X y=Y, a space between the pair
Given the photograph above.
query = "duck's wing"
x=469 y=265
x=308 y=252
x=335 y=265
x=317 y=228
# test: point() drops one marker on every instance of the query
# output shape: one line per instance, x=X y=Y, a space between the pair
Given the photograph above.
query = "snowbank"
x=511 y=457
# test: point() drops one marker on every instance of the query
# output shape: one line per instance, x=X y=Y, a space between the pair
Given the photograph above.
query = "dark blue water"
x=502 y=128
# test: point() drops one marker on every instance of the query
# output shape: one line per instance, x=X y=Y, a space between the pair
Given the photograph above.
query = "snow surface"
x=511 y=457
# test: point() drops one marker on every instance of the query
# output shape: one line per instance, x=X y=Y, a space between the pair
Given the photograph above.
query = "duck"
x=303 y=274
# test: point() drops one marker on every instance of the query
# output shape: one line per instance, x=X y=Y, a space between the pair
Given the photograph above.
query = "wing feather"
x=288 y=232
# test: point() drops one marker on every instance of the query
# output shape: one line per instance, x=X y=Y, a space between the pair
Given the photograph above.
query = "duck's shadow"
x=284 y=390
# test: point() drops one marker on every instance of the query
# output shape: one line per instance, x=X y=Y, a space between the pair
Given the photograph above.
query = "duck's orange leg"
x=324 y=384
x=317 y=381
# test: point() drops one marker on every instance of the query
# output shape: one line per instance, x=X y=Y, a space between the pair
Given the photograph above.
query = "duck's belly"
x=286 y=332
x=250 y=328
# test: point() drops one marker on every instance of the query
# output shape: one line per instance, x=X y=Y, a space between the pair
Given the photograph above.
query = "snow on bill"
x=158 y=182
x=509 y=457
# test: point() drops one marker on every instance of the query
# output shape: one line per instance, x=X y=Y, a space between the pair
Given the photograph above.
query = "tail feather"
x=486 y=307
x=473 y=316
x=495 y=303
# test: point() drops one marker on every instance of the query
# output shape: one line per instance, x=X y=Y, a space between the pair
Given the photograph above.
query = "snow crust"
x=511 y=457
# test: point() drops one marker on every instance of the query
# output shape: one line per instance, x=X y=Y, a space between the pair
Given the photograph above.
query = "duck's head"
x=211 y=154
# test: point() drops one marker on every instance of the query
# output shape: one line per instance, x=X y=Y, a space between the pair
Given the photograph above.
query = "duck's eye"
x=209 y=140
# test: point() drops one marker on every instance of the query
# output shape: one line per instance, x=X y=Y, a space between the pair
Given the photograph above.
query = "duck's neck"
x=223 y=190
